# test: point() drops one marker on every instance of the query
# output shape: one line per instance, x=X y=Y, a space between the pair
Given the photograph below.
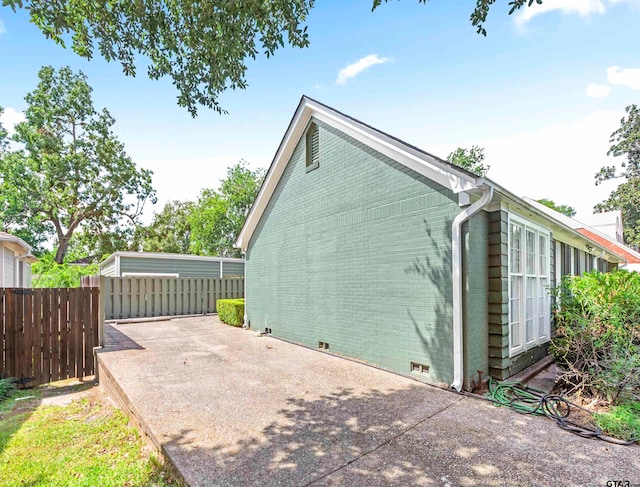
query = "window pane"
x=516 y=249
x=529 y=308
x=514 y=311
x=542 y=270
x=543 y=307
x=531 y=252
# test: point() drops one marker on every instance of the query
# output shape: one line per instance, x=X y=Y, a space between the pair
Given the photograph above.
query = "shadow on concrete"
x=345 y=438
x=116 y=340
x=309 y=442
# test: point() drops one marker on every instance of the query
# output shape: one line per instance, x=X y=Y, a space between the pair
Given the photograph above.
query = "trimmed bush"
x=598 y=335
x=231 y=311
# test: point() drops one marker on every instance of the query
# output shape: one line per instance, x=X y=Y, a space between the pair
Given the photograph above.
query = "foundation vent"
x=419 y=368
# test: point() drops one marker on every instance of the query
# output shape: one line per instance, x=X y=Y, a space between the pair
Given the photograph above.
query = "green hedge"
x=231 y=311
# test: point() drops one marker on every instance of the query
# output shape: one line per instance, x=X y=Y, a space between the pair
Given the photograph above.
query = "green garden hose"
x=529 y=400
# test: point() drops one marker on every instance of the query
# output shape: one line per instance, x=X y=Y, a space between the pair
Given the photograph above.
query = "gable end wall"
x=356 y=254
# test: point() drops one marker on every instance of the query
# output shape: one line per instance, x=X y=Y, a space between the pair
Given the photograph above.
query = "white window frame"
x=541 y=307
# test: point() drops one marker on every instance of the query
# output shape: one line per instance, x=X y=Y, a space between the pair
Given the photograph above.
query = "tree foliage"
x=170 y=230
x=218 y=216
x=481 y=11
x=626 y=197
x=470 y=159
x=564 y=209
x=48 y=273
x=202 y=46
x=72 y=171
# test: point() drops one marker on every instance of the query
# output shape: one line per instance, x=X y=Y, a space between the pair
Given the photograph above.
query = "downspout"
x=245 y=319
x=16 y=269
x=456 y=254
x=596 y=258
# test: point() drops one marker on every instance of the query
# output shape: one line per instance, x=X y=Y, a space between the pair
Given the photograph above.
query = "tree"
x=626 y=197
x=170 y=230
x=469 y=159
x=96 y=246
x=13 y=219
x=218 y=216
x=202 y=46
x=564 y=209
x=72 y=172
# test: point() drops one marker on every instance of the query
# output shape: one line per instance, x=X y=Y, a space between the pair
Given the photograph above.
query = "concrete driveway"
x=230 y=408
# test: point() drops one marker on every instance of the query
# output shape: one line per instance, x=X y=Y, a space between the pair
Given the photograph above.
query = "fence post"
x=101 y=310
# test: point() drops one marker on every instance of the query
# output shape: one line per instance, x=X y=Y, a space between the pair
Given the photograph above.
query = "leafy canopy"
x=218 y=216
x=201 y=45
x=626 y=197
x=564 y=209
x=170 y=230
x=469 y=159
x=71 y=172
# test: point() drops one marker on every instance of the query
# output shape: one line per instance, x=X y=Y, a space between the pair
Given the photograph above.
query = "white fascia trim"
x=149 y=274
x=422 y=164
x=117 y=265
x=164 y=256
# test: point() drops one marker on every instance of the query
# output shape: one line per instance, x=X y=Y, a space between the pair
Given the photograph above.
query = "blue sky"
x=542 y=92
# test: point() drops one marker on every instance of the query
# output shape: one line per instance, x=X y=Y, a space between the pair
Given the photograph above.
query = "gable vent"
x=313 y=147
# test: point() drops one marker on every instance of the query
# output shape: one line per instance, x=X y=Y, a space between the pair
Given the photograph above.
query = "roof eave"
x=458 y=180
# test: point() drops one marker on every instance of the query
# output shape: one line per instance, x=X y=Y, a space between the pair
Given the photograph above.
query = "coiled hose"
x=529 y=400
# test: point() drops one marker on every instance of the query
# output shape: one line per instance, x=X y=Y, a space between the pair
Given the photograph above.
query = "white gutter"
x=456 y=254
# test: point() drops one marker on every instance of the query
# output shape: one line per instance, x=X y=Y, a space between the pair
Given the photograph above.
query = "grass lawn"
x=85 y=443
x=621 y=421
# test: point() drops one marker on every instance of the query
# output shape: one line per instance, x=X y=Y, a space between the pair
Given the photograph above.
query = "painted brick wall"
x=357 y=253
x=475 y=288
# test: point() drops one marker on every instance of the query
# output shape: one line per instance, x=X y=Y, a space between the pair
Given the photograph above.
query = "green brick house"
x=374 y=249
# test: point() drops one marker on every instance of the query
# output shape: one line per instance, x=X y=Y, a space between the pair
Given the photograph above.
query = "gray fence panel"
x=144 y=297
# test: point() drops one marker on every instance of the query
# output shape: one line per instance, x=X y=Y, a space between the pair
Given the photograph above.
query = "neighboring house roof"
x=457 y=179
x=24 y=247
x=602 y=239
x=158 y=255
x=630 y=255
x=609 y=223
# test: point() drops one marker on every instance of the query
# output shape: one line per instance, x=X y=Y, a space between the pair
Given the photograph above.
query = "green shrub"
x=231 y=311
x=6 y=387
x=47 y=273
x=598 y=335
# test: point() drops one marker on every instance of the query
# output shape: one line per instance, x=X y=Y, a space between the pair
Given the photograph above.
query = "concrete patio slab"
x=230 y=408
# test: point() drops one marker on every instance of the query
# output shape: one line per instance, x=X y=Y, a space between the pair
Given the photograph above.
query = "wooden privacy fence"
x=139 y=297
x=48 y=334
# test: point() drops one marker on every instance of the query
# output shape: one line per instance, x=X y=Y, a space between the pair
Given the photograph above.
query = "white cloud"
x=354 y=69
x=9 y=118
x=595 y=90
x=624 y=77
x=584 y=8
